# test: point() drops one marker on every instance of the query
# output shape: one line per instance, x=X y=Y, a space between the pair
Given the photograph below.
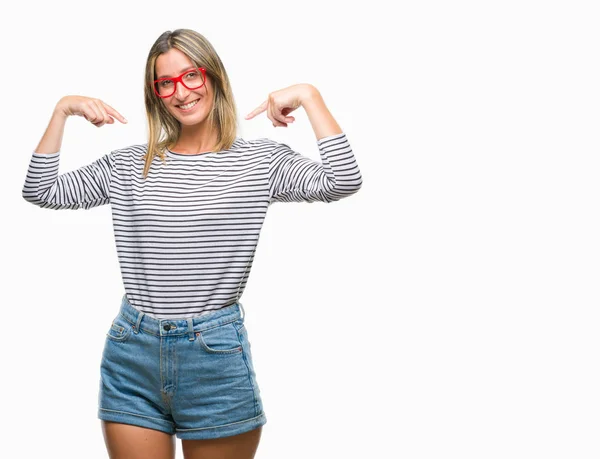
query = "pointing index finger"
x=261 y=108
x=115 y=113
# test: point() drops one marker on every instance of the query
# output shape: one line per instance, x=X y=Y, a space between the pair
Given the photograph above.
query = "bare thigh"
x=125 y=441
x=242 y=446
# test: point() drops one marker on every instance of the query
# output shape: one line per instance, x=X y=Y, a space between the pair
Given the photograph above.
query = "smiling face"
x=172 y=64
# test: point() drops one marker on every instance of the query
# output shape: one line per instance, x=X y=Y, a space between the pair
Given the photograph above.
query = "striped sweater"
x=186 y=235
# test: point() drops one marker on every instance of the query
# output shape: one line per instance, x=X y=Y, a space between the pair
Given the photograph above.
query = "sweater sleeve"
x=294 y=177
x=86 y=187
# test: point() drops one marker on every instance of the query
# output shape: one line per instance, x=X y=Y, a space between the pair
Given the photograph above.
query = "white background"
x=448 y=309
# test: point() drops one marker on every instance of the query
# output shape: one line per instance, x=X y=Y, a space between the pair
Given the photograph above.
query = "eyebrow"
x=180 y=72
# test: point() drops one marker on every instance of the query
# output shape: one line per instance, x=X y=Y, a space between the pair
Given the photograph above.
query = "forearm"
x=322 y=121
x=52 y=139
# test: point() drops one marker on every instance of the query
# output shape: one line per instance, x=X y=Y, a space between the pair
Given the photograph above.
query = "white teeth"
x=190 y=105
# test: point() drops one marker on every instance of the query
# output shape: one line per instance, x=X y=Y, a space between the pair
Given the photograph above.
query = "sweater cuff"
x=46 y=155
x=330 y=137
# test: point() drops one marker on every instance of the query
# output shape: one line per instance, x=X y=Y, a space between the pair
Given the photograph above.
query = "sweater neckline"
x=197 y=156
x=185 y=156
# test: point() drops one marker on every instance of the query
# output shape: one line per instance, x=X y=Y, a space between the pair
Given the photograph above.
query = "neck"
x=195 y=140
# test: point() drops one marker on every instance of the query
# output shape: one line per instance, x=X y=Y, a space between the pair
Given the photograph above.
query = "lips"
x=180 y=105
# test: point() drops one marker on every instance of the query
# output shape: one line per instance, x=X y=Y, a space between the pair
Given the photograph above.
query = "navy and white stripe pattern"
x=186 y=235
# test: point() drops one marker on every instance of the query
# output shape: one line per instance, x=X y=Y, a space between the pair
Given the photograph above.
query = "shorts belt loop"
x=242 y=308
x=136 y=327
x=190 y=328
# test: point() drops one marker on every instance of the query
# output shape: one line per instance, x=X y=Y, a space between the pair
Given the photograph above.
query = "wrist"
x=309 y=93
x=59 y=111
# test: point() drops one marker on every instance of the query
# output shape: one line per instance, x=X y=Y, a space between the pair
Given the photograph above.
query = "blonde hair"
x=163 y=128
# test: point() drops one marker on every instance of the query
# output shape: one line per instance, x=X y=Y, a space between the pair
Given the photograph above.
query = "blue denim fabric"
x=192 y=377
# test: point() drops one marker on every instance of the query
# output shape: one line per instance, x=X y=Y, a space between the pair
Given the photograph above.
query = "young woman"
x=187 y=210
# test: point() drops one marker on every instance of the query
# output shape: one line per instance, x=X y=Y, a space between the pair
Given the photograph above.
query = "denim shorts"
x=192 y=377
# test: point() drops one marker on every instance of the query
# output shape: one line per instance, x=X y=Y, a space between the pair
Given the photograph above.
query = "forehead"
x=172 y=63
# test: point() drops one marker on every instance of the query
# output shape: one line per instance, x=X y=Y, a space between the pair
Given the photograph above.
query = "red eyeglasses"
x=191 y=79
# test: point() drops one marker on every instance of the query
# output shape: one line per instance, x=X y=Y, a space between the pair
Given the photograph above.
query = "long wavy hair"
x=163 y=128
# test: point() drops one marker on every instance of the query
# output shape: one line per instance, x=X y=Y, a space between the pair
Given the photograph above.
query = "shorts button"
x=167 y=327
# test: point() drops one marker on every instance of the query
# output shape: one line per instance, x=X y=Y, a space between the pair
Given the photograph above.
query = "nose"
x=181 y=91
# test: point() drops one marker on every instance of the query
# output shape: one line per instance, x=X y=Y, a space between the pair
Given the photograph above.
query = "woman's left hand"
x=281 y=103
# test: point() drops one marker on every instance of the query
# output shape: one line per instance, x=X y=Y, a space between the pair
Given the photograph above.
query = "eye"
x=165 y=83
x=192 y=75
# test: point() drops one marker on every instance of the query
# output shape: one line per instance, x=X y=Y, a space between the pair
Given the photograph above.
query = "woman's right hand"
x=94 y=110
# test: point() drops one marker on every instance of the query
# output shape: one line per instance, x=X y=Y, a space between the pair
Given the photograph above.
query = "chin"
x=194 y=122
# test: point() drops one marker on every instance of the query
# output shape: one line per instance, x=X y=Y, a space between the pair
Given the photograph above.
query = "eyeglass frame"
x=179 y=80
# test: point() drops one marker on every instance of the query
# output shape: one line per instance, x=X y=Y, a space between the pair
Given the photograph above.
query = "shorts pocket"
x=222 y=339
x=120 y=329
